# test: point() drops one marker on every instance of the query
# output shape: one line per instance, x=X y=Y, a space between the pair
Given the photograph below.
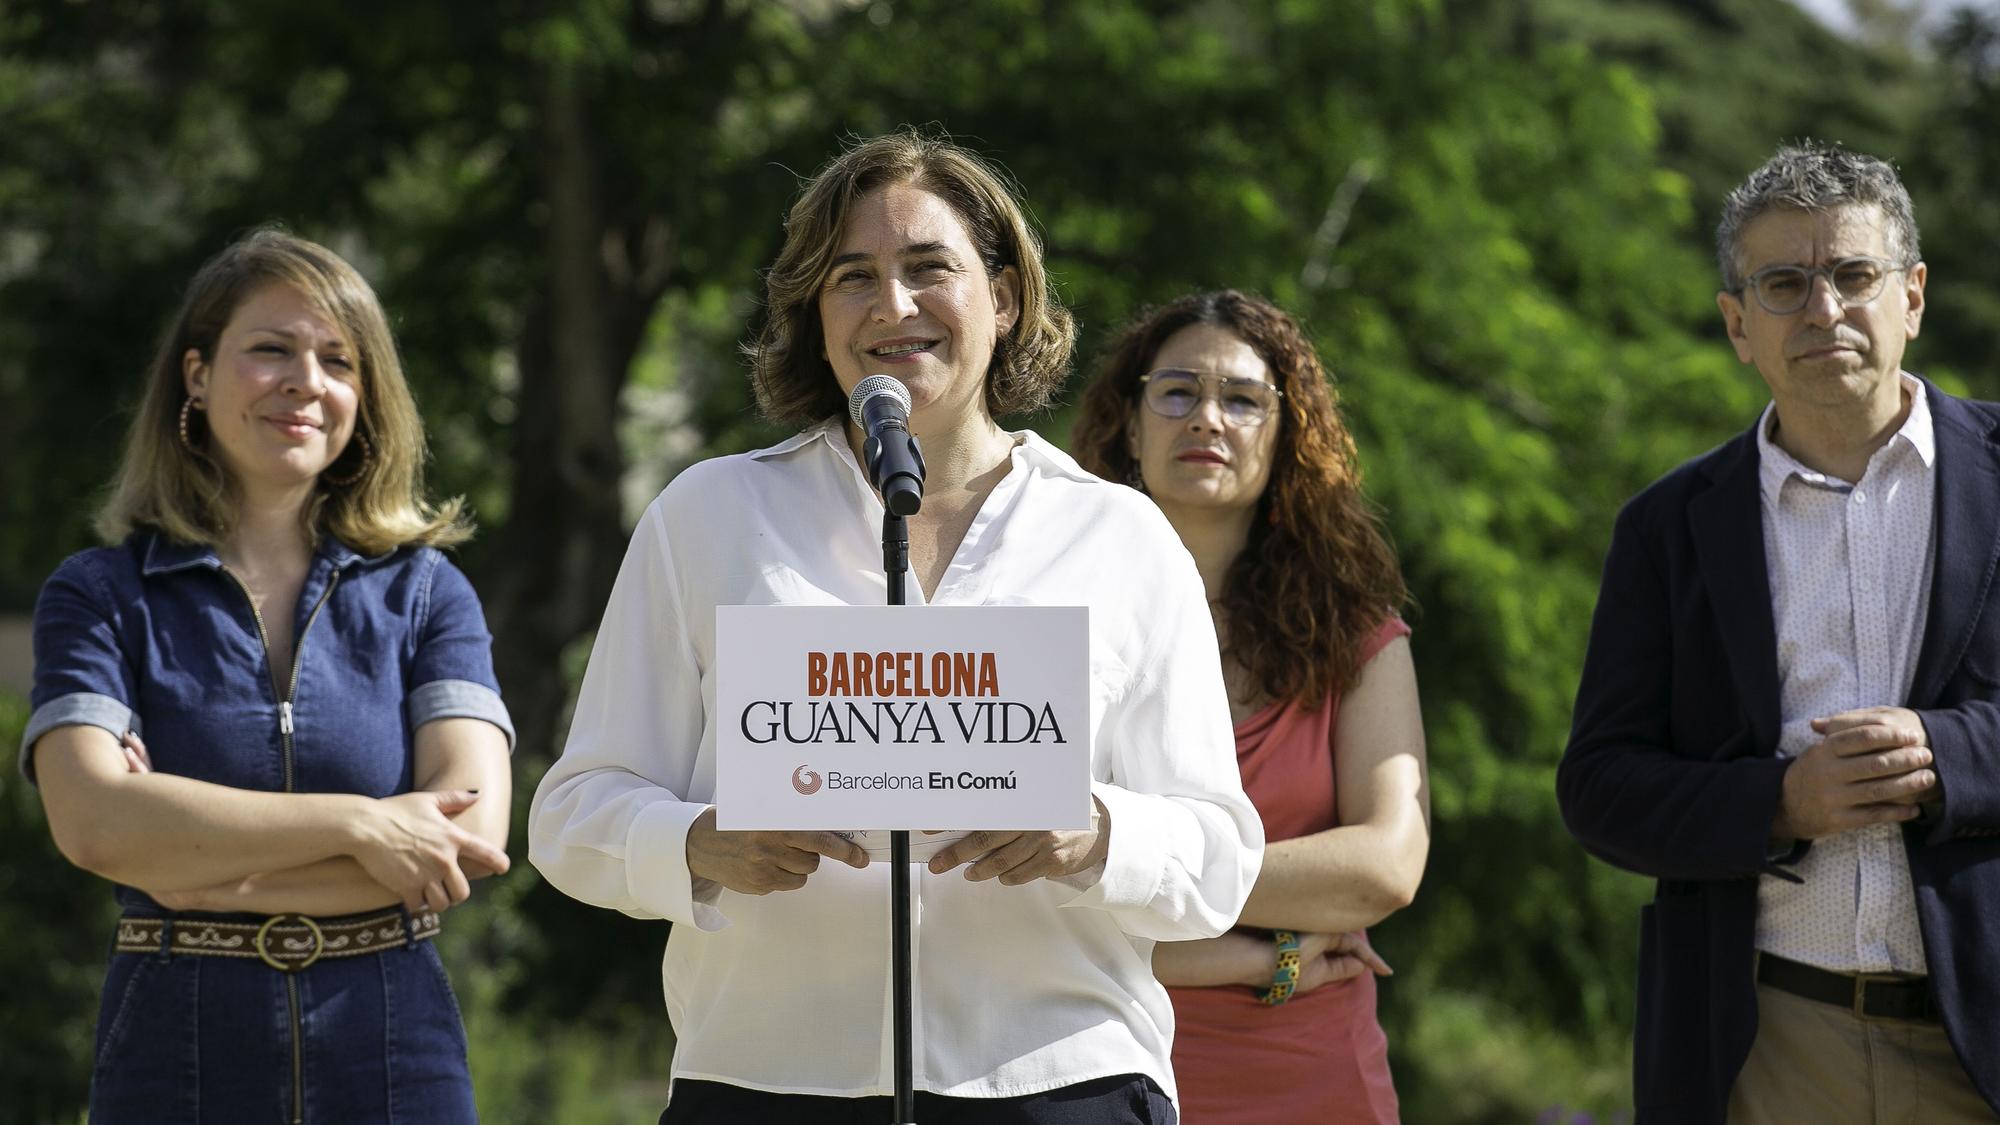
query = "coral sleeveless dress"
x=1321 y=1057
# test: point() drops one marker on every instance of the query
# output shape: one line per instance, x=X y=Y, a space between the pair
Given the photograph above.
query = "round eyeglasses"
x=1173 y=393
x=1784 y=290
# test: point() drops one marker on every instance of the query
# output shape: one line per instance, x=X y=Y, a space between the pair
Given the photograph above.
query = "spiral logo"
x=805 y=781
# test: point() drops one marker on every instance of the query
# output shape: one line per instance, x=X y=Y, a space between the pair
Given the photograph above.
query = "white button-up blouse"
x=1016 y=989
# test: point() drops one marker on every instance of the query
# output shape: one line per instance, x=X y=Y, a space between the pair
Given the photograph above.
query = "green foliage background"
x=1493 y=214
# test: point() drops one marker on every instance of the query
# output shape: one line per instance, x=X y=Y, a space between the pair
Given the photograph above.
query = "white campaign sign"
x=919 y=717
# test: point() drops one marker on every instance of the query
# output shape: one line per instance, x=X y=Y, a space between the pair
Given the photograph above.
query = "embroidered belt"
x=286 y=942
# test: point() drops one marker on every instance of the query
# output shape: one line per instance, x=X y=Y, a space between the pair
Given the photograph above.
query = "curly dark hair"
x=794 y=382
x=1317 y=576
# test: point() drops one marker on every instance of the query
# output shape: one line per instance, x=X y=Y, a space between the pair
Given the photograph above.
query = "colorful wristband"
x=1285 y=976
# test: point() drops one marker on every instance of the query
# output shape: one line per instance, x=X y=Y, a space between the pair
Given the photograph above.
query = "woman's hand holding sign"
x=1022 y=857
x=757 y=863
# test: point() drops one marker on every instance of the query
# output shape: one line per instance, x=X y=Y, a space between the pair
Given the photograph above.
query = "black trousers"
x=1124 y=1099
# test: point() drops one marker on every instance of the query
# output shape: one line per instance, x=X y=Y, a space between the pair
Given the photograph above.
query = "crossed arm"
x=1330 y=884
x=194 y=845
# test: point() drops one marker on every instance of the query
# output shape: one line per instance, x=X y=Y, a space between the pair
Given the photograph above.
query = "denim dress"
x=160 y=639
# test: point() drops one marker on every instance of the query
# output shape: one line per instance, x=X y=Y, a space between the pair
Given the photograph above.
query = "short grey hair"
x=1815 y=177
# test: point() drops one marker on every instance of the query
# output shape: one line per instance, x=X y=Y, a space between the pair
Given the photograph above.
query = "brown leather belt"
x=1868 y=996
x=286 y=942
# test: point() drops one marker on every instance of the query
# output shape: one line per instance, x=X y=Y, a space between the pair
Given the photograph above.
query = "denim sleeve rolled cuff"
x=656 y=868
x=458 y=699
x=83 y=708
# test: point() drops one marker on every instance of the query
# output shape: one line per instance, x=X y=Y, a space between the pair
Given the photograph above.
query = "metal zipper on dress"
x=286 y=726
x=286 y=722
x=298 y=1052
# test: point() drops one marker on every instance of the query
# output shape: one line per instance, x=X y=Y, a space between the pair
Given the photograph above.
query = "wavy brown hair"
x=1317 y=576
x=187 y=494
x=788 y=367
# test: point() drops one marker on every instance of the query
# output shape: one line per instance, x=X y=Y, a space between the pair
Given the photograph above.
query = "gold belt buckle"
x=264 y=951
x=1861 y=983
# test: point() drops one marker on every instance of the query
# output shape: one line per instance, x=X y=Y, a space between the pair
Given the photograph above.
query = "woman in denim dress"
x=267 y=713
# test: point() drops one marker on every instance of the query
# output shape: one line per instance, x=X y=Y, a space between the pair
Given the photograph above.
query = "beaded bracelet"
x=1285 y=976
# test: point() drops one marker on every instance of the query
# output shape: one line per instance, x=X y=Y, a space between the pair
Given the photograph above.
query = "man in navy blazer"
x=1790 y=709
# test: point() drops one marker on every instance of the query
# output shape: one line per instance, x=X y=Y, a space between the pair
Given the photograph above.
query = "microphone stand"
x=895 y=565
x=881 y=408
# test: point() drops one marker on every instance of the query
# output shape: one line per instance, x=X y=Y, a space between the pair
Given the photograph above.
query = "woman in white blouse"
x=1034 y=997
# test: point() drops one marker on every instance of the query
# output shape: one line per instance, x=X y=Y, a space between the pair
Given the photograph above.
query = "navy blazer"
x=1671 y=768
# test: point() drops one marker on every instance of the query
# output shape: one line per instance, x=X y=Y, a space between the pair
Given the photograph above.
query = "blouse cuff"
x=458 y=699
x=1132 y=868
x=656 y=870
x=83 y=708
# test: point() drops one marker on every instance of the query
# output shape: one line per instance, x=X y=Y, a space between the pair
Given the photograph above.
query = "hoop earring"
x=187 y=406
x=361 y=470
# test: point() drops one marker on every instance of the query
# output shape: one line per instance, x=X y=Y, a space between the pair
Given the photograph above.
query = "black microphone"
x=881 y=407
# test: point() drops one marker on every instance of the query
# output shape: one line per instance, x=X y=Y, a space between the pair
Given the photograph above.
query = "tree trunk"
x=551 y=568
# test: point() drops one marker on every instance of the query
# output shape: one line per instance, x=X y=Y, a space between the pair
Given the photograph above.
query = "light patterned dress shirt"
x=1850 y=568
x=1017 y=989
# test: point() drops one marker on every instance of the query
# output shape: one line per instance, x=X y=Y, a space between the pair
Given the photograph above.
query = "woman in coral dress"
x=1217 y=407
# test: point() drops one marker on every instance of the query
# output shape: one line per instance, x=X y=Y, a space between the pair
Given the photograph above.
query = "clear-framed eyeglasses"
x=1784 y=290
x=1173 y=393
